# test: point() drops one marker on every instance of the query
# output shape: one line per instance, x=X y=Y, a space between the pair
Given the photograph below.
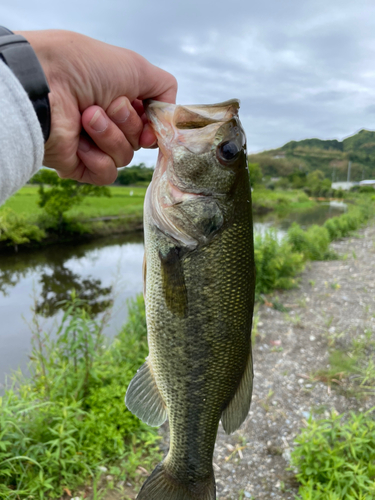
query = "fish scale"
x=199 y=298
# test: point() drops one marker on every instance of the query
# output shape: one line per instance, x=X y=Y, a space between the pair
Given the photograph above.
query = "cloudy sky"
x=301 y=68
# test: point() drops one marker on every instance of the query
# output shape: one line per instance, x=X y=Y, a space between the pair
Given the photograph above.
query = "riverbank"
x=296 y=371
x=98 y=217
x=296 y=334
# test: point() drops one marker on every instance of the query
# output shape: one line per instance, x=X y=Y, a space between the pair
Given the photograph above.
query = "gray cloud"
x=301 y=69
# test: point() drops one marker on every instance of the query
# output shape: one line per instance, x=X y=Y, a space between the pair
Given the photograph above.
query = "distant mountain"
x=329 y=156
x=364 y=140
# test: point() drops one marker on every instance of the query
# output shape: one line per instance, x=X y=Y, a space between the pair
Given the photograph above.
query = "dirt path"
x=333 y=304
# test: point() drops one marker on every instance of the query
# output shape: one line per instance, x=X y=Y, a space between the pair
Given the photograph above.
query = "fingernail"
x=83 y=145
x=98 y=122
x=121 y=112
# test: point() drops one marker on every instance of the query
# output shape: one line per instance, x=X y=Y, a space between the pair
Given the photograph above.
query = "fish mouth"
x=192 y=126
x=178 y=129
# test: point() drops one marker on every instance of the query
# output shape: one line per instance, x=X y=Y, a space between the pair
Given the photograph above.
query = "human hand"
x=99 y=87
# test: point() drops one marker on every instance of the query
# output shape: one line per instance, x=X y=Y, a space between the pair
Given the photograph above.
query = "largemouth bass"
x=199 y=293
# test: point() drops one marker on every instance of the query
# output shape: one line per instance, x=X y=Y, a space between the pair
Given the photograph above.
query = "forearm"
x=21 y=138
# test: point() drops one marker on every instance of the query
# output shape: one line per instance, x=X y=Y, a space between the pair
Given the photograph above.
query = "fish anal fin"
x=238 y=407
x=144 y=399
x=162 y=486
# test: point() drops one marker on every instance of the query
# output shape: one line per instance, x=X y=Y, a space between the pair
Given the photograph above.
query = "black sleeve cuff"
x=18 y=54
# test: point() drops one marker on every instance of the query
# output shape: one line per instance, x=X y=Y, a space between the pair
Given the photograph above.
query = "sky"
x=301 y=68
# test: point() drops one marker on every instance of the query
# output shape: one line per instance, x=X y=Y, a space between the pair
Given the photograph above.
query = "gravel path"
x=334 y=303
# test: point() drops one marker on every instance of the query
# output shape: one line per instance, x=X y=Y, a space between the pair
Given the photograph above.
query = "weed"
x=278 y=306
x=335 y=458
x=328 y=322
x=335 y=286
x=295 y=319
x=351 y=370
x=302 y=302
x=265 y=402
x=312 y=283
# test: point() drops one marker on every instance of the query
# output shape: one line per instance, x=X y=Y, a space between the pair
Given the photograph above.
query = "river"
x=100 y=270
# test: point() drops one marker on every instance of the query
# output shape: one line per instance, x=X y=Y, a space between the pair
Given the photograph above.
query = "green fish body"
x=199 y=293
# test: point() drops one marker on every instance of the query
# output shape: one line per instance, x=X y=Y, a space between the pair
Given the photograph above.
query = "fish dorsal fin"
x=238 y=407
x=144 y=399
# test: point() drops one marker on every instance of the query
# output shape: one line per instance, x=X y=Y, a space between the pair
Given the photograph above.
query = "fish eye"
x=228 y=150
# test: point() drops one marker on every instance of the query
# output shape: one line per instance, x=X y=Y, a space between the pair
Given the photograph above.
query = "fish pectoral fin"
x=144 y=273
x=144 y=399
x=239 y=406
x=174 y=288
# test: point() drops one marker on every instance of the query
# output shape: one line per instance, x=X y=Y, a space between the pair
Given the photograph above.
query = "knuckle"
x=127 y=157
x=102 y=163
x=117 y=142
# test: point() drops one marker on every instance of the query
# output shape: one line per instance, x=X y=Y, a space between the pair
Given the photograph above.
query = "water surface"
x=41 y=279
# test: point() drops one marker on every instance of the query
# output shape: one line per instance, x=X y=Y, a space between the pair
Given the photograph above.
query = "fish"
x=199 y=288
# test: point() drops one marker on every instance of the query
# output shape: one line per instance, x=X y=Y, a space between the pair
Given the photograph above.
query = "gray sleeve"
x=21 y=138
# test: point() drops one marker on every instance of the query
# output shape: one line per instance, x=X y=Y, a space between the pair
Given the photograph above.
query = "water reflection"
x=56 y=289
x=43 y=278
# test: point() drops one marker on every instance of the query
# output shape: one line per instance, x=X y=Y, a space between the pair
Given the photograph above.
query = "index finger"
x=155 y=83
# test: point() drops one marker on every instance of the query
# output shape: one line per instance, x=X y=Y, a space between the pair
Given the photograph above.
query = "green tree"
x=134 y=175
x=317 y=185
x=57 y=195
x=255 y=173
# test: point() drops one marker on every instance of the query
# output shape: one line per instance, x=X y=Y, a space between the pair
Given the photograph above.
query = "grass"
x=67 y=424
x=335 y=458
x=352 y=369
x=265 y=200
x=123 y=201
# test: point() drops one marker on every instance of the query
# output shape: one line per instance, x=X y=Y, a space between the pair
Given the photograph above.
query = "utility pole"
x=349 y=169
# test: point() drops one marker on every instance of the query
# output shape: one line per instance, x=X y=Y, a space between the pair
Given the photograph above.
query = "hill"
x=329 y=156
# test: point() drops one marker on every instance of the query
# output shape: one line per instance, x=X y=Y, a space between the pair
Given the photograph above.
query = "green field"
x=129 y=200
x=124 y=201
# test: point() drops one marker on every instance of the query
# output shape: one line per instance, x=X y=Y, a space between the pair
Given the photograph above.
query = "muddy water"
x=99 y=270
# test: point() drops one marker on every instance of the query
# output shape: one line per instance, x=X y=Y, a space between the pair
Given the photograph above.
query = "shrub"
x=313 y=243
x=276 y=263
x=336 y=458
x=16 y=230
x=343 y=225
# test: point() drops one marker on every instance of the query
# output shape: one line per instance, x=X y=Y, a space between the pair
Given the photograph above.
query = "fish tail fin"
x=162 y=486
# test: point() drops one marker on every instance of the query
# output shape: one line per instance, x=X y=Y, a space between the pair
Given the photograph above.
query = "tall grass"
x=61 y=426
